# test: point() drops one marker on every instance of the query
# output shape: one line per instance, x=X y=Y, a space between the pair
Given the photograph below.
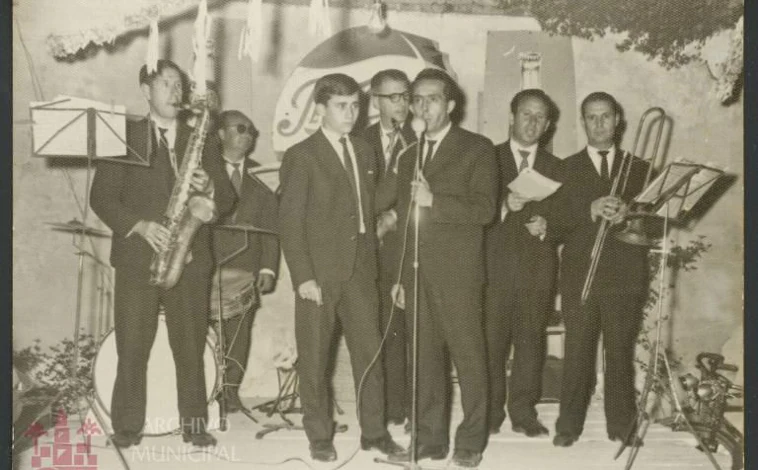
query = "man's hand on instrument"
x=265 y=283
x=398 y=295
x=422 y=193
x=515 y=201
x=537 y=226
x=201 y=182
x=386 y=222
x=155 y=234
x=310 y=290
x=610 y=208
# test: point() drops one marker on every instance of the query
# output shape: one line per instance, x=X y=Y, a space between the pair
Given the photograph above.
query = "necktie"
x=604 y=165
x=429 y=152
x=171 y=152
x=524 y=160
x=348 y=162
x=390 y=150
x=236 y=178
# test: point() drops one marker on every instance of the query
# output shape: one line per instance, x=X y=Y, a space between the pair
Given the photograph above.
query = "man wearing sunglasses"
x=252 y=271
x=389 y=136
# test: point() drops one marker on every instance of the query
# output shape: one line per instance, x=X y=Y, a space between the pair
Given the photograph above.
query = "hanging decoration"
x=377 y=22
x=200 y=45
x=319 y=23
x=151 y=58
x=251 y=38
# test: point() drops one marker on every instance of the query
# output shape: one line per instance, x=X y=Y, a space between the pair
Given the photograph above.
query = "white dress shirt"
x=334 y=139
x=596 y=158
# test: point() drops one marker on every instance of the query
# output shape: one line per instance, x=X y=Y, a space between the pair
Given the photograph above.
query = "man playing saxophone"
x=132 y=201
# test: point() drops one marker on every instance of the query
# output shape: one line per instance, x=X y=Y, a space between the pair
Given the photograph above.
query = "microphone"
x=419 y=126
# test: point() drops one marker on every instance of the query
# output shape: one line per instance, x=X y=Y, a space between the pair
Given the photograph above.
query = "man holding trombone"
x=603 y=280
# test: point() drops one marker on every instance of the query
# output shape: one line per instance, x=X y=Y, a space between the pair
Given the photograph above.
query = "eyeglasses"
x=242 y=128
x=394 y=97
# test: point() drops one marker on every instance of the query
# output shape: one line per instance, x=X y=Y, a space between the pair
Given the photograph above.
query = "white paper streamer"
x=252 y=34
x=200 y=43
x=151 y=57
x=319 y=23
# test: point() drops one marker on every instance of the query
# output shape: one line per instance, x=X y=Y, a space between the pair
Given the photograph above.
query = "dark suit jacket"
x=622 y=267
x=256 y=205
x=317 y=211
x=124 y=194
x=517 y=260
x=463 y=179
x=391 y=242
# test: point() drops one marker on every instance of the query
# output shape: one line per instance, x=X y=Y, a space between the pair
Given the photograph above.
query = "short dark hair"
x=389 y=74
x=449 y=87
x=524 y=95
x=225 y=116
x=334 y=84
x=601 y=96
x=147 y=78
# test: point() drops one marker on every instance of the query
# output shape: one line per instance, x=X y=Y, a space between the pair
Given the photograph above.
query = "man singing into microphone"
x=456 y=193
x=132 y=200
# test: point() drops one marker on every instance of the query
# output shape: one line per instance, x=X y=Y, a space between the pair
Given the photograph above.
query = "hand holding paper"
x=533 y=186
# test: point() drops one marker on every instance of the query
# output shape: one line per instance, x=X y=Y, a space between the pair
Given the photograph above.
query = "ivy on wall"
x=664 y=30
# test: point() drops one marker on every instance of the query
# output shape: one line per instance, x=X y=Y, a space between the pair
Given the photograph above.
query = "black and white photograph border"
x=77 y=88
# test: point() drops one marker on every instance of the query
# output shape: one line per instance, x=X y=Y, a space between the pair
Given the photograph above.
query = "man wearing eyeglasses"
x=455 y=190
x=389 y=136
x=252 y=271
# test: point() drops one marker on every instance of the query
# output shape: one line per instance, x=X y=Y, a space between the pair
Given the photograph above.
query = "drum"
x=238 y=293
x=161 y=414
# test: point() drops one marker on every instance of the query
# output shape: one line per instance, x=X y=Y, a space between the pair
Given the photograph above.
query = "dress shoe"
x=564 y=440
x=199 y=439
x=125 y=439
x=631 y=441
x=323 y=451
x=383 y=444
x=466 y=458
x=438 y=452
x=396 y=421
x=531 y=428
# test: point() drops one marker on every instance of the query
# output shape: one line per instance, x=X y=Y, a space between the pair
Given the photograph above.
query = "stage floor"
x=288 y=449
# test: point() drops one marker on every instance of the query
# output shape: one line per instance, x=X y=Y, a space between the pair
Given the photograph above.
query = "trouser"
x=354 y=303
x=618 y=317
x=394 y=357
x=136 y=307
x=518 y=319
x=450 y=322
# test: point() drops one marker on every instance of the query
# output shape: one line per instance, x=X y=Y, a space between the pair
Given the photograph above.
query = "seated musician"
x=253 y=270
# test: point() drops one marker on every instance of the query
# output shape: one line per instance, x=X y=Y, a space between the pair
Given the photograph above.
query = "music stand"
x=73 y=119
x=683 y=184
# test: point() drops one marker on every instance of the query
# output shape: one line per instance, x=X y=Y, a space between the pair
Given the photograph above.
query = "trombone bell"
x=634 y=233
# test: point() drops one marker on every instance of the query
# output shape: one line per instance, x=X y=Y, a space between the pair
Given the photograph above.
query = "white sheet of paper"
x=59 y=127
x=532 y=185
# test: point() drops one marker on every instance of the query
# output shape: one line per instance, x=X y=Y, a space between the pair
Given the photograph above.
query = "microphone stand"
x=412 y=464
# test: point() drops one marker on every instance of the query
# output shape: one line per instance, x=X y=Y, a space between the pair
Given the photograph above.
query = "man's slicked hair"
x=146 y=78
x=601 y=96
x=334 y=84
x=449 y=87
x=524 y=95
x=389 y=74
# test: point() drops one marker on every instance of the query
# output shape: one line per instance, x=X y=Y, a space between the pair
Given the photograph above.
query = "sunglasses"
x=394 y=97
x=244 y=128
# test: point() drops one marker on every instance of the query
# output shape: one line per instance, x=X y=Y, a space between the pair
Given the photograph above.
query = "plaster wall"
x=708 y=301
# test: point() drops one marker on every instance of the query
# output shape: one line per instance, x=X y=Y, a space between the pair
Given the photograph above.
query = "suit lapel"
x=510 y=172
x=445 y=151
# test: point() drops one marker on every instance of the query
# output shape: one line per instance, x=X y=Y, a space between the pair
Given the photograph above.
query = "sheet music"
x=671 y=175
x=532 y=185
x=689 y=194
x=59 y=127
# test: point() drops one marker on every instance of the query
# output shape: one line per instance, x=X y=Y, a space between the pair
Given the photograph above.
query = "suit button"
x=352 y=217
x=353 y=238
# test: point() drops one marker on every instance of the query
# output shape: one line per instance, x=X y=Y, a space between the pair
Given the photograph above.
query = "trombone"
x=634 y=232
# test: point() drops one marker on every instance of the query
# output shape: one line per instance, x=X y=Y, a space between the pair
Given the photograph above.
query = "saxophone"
x=187 y=209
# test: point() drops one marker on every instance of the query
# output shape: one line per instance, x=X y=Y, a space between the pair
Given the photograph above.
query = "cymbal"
x=75 y=226
x=245 y=228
